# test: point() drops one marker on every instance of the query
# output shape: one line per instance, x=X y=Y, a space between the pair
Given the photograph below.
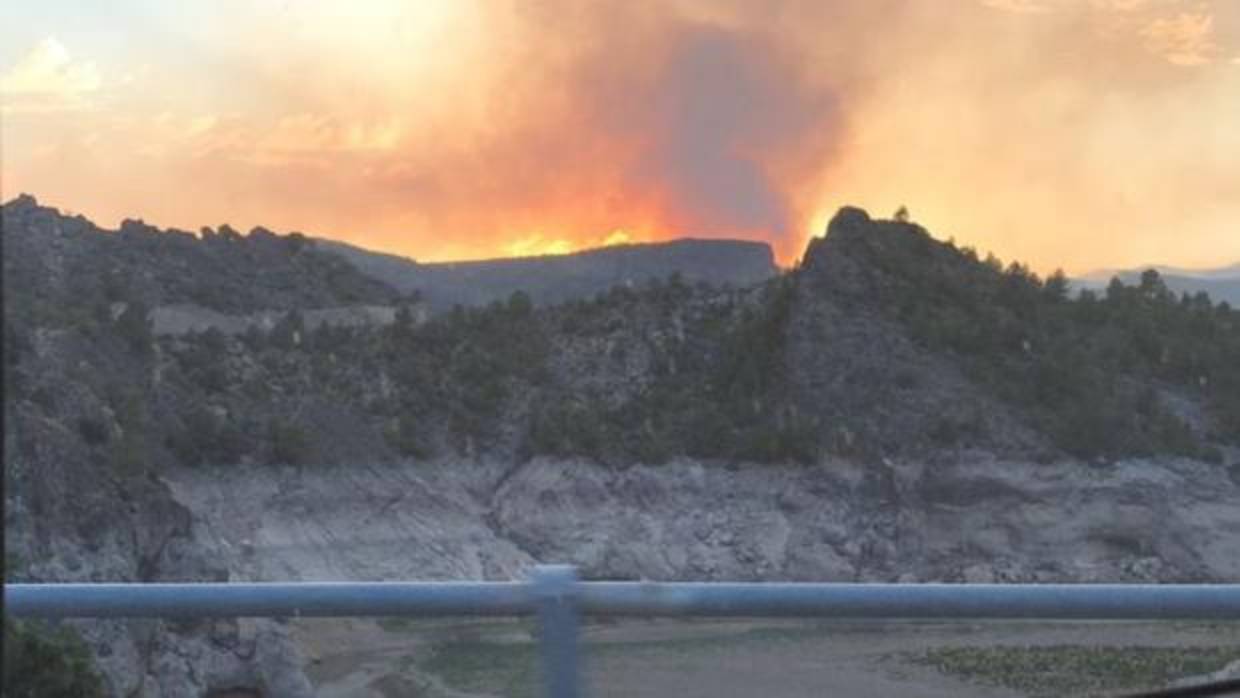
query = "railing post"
x=555 y=591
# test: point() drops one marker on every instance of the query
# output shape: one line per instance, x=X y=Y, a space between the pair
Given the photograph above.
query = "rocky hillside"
x=894 y=408
x=83 y=500
x=559 y=278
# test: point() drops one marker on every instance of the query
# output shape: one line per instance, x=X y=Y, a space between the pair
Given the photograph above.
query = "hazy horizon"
x=1219 y=270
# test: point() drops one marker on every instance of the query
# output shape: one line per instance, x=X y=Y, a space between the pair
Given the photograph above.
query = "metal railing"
x=558 y=598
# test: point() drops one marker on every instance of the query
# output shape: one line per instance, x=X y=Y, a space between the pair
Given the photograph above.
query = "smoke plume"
x=1080 y=133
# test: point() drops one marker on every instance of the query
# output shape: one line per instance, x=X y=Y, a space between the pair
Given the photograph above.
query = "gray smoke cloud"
x=723 y=108
x=616 y=117
x=1045 y=130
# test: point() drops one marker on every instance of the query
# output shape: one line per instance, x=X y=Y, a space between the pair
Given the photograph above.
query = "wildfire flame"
x=538 y=244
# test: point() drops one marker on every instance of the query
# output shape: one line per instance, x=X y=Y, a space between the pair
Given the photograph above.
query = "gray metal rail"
x=556 y=596
x=311 y=599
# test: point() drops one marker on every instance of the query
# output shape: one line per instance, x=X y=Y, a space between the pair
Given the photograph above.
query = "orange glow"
x=536 y=244
x=1060 y=132
x=617 y=237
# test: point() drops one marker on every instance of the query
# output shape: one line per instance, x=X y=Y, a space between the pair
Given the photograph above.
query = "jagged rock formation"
x=892 y=409
x=558 y=278
x=854 y=366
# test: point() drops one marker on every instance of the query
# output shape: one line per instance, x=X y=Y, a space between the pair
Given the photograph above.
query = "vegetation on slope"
x=1116 y=374
x=1057 y=670
x=41 y=662
x=640 y=374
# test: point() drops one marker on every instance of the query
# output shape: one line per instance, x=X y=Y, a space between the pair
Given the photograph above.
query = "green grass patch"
x=493 y=658
x=1057 y=670
x=507 y=669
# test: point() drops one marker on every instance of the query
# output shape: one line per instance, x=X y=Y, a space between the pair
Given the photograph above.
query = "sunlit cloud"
x=201 y=124
x=1019 y=6
x=1048 y=6
x=325 y=133
x=48 y=78
x=1122 y=5
x=1187 y=39
x=1181 y=32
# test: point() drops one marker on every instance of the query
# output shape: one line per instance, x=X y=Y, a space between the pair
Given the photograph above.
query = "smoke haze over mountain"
x=1089 y=134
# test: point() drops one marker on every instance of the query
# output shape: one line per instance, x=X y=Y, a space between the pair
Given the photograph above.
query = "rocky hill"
x=894 y=408
x=558 y=278
x=68 y=262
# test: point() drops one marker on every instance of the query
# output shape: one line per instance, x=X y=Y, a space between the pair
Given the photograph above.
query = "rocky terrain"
x=895 y=409
x=177 y=319
x=82 y=502
x=974 y=518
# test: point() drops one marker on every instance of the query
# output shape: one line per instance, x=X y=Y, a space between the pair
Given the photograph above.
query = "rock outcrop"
x=975 y=519
x=68 y=518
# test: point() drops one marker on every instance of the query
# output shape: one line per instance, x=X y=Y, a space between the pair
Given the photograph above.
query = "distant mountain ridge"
x=554 y=279
x=1211 y=273
x=1221 y=284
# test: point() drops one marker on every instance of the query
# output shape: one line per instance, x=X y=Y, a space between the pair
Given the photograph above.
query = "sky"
x=1075 y=134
